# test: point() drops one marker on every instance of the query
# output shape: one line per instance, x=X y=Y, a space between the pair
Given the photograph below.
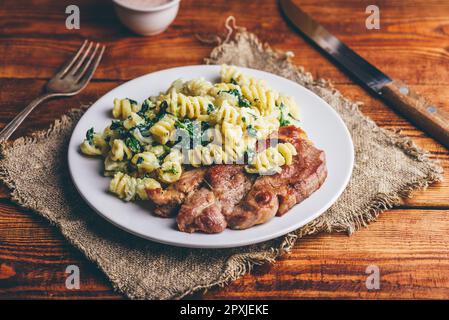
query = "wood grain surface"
x=409 y=244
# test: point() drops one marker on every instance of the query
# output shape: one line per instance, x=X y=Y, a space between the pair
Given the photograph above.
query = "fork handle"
x=9 y=129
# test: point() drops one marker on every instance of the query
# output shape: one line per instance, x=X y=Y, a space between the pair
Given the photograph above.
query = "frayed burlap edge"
x=357 y=220
x=240 y=264
x=65 y=121
x=383 y=201
x=236 y=266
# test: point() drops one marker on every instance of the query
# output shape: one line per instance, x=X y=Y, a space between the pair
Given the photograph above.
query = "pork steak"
x=208 y=208
x=167 y=201
x=276 y=194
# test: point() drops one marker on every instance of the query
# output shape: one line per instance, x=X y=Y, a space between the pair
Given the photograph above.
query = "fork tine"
x=86 y=65
x=89 y=72
x=81 y=60
x=69 y=63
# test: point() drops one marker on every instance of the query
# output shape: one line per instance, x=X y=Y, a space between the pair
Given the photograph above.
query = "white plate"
x=322 y=124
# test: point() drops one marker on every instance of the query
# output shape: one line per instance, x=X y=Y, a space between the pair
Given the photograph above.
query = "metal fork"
x=73 y=77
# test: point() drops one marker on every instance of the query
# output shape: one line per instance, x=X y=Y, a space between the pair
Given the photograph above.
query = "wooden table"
x=410 y=244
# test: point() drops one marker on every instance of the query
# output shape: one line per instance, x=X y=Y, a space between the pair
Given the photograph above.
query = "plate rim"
x=242 y=243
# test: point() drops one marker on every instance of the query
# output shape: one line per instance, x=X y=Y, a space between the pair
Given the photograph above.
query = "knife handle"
x=418 y=110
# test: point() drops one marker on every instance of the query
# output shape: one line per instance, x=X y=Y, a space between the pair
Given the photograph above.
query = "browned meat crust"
x=276 y=194
x=201 y=212
x=168 y=201
x=207 y=209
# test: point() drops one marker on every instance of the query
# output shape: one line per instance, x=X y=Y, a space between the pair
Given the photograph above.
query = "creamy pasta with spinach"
x=194 y=123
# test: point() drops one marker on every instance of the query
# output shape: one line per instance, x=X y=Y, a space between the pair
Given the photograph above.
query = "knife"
x=418 y=110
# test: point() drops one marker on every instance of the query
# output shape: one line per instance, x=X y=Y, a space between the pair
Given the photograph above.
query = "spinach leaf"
x=145 y=127
x=210 y=108
x=170 y=170
x=162 y=109
x=132 y=101
x=234 y=92
x=204 y=127
x=90 y=136
x=166 y=148
x=123 y=133
x=144 y=108
x=133 y=144
x=243 y=103
x=283 y=117
x=115 y=124
x=186 y=124
x=193 y=129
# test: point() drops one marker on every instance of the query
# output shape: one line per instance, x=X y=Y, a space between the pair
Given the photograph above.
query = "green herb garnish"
x=133 y=144
x=185 y=125
x=283 y=120
x=193 y=129
x=162 y=111
x=210 y=108
x=115 y=124
x=170 y=170
x=123 y=133
x=144 y=108
x=234 y=92
x=243 y=103
x=166 y=148
x=139 y=160
x=90 y=136
x=145 y=127
x=132 y=101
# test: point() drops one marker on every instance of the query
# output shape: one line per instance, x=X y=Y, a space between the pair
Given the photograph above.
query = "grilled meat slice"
x=276 y=194
x=259 y=206
x=207 y=209
x=201 y=212
x=168 y=201
x=229 y=183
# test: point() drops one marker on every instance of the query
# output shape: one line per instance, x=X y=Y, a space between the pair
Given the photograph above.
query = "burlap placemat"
x=35 y=168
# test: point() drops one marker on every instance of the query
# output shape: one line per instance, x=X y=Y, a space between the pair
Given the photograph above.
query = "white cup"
x=147 y=21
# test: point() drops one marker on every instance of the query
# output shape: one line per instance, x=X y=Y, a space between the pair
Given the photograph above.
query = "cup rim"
x=150 y=9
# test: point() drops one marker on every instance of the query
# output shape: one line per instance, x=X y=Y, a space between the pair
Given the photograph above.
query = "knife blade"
x=399 y=96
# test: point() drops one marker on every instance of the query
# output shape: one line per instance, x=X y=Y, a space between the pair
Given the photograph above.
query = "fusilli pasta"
x=120 y=150
x=145 y=161
x=123 y=108
x=163 y=129
x=184 y=106
x=271 y=159
x=129 y=188
x=218 y=123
